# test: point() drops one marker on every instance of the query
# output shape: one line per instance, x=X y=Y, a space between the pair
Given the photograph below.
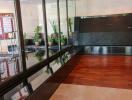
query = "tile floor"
x=82 y=92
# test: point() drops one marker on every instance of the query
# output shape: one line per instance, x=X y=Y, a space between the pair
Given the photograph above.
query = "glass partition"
x=9 y=45
x=38 y=78
x=63 y=23
x=52 y=26
x=19 y=92
x=34 y=43
x=71 y=16
x=53 y=32
x=33 y=31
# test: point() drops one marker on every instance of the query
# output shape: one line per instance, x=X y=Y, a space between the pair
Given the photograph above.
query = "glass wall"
x=10 y=56
x=63 y=23
x=9 y=45
x=53 y=31
x=52 y=26
x=34 y=41
x=71 y=16
x=33 y=31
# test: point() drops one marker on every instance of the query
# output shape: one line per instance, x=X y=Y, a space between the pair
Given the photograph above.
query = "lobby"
x=65 y=49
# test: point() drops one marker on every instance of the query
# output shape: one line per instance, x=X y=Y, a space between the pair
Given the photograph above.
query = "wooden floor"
x=83 y=73
x=105 y=71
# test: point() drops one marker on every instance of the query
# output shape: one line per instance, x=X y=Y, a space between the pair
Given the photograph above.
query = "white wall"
x=30 y=15
x=30 y=18
x=51 y=9
x=41 y=21
x=52 y=14
x=102 y=7
x=6 y=8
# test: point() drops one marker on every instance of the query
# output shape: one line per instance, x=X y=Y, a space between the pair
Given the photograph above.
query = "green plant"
x=50 y=39
x=70 y=23
x=37 y=36
x=54 y=38
x=39 y=55
x=54 y=26
x=63 y=39
x=65 y=57
x=25 y=38
x=24 y=35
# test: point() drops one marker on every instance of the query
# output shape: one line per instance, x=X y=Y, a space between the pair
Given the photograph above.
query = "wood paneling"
x=113 y=23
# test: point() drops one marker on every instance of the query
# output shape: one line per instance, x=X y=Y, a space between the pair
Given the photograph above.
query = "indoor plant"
x=25 y=38
x=70 y=23
x=63 y=40
x=54 y=26
x=50 y=41
x=39 y=55
x=37 y=37
x=70 y=29
x=53 y=38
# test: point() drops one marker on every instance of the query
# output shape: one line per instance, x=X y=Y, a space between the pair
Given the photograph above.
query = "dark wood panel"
x=114 y=23
x=106 y=71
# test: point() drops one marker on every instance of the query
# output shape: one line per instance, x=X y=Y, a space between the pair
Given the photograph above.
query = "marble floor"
x=83 y=92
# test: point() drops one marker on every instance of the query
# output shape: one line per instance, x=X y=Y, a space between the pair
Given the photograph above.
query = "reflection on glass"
x=52 y=26
x=32 y=19
x=38 y=78
x=53 y=32
x=56 y=64
x=9 y=47
x=19 y=92
x=63 y=23
x=71 y=16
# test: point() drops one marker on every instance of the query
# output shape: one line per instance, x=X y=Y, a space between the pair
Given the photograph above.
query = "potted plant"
x=70 y=23
x=54 y=26
x=54 y=36
x=70 y=29
x=63 y=40
x=25 y=38
x=37 y=37
x=50 y=41
x=39 y=55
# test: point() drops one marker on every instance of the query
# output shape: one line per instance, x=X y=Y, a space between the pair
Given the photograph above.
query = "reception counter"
x=124 y=50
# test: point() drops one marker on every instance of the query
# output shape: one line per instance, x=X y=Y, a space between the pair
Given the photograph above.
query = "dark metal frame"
x=58 y=16
x=20 y=32
x=22 y=77
x=21 y=41
x=46 y=34
x=67 y=18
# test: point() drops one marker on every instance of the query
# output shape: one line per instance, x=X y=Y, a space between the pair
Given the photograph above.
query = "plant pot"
x=37 y=43
x=50 y=43
x=62 y=43
x=71 y=33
